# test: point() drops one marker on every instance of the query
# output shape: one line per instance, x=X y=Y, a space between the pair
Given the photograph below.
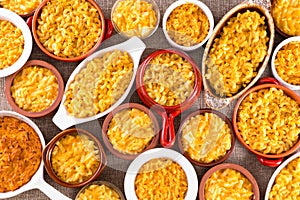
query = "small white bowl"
x=203 y=7
x=129 y=186
x=274 y=71
x=8 y=15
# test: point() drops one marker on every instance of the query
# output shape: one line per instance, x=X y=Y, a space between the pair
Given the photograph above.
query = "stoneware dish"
x=201 y=112
x=134 y=47
x=168 y=113
x=107 y=121
x=37 y=181
x=270 y=160
x=40 y=63
x=49 y=148
x=212 y=99
x=137 y=163
x=239 y=168
x=203 y=7
x=20 y=23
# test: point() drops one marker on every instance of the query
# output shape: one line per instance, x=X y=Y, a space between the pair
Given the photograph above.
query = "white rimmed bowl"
x=274 y=71
x=37 y=181
x=20 y=23
x=206 y=11
x=135 y=48
x=135 y=166
x=277 y=171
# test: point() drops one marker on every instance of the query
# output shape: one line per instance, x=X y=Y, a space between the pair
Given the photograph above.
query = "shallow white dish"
x=20 y=23
x=274 y=72
x=277 y=171
x=203 y=7
x=135 y=48
x=161 y=153
x=37 y=181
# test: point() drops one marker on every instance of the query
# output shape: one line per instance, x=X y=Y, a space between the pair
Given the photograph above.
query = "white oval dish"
x=20 y=23
x=135 y=48
x=37 y=181
x=274 y=71
x=203 y=7
x=277 y=171
x=137 y=163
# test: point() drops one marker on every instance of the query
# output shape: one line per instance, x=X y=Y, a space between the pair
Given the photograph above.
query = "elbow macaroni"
x=269 y=121
x=187 y=25
x=99 y=192
x=21 y=7
x=11 y=43
x=135 y=18
x=69 y=28
x=160 y=179
x=100 y=84
x=169 y=79
x=228 y=184
x=75 y=158
x=130 y=131
x=235 y=56
x=34 y=88
x=206 y=138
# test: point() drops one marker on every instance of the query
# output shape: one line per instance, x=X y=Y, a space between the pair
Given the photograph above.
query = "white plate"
x=277 y=171
x=134 y=47
x=161 y=153
x=20 y=23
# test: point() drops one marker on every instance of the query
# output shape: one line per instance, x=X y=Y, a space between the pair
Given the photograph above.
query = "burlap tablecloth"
x=116 y=168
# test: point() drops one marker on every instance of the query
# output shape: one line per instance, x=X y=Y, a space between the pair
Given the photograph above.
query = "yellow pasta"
x=287 y=63
x=235 y=56
x=268 y=121
x=21 y=7
x=160 y=179
x=130 y=131
x=98 y=192
x=228 y=184
x=11 y=42
x=206 y=137
x=169 y=79
x=34 y=88
x=69 y=28
x=100 y=84
x=286 y=185
x=135 y=18
x=75 y=158
x=187 y=25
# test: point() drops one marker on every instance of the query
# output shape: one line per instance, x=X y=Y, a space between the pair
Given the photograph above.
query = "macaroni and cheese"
x=228 y=184
x=287 y=63
x=69 y=29
x=206 y=137
x=20 y=153
x=286 y=185
x=269 y=121
x=135 y=18
x=99 y=192
x=130 y=131
x=100 y=84
x=169 y=79
x=75 y=158
x=11 y=42
x=187 y=25
x=21 y=7
x=236 y=54
x=159 y=179
x=34 y=88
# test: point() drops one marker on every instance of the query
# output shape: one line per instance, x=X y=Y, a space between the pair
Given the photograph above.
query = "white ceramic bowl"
x=134 y=167
x=203 y=7
x=20 y=23
x=275 y=74
x=277 y=171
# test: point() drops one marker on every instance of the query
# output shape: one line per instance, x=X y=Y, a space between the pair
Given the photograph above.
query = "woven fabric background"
x=115 y=171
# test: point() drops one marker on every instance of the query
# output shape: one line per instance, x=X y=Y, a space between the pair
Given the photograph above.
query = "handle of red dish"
x=269 y=162
x=109 y=29
x=268 y=80
x=167 y=137
x=29 y=22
